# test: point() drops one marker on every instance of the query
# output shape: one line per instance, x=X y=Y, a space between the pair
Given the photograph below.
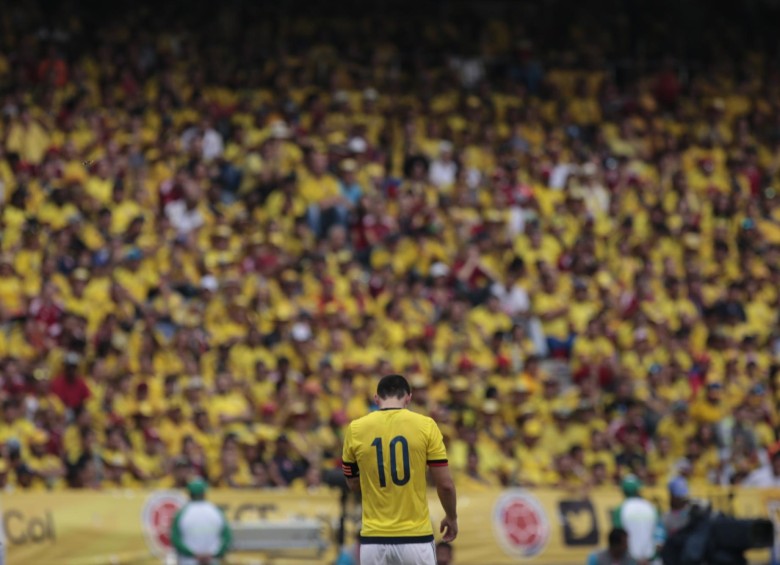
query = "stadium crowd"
x=208 y=259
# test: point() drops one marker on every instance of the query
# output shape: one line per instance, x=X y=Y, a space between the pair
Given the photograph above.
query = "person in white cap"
x=357 y=145
x=443 y=170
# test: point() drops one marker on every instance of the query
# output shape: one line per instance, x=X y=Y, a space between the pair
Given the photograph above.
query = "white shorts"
x=398 y=554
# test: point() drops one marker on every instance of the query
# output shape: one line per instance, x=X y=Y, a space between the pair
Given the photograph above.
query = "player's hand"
x=449 y=527
x=204 y=559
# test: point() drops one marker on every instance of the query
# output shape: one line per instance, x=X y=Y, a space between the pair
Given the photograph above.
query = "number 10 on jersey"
x=380 y=460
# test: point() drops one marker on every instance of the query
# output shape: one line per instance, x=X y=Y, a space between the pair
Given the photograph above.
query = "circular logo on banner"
x=157 y=516
x=520 y=524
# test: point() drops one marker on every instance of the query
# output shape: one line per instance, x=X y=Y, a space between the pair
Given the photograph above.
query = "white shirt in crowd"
x=596 y=199
x=514 y=300
x=442 y=174
x=212 y=145
x=762 y=477
x=183 y=219
x=560 y=174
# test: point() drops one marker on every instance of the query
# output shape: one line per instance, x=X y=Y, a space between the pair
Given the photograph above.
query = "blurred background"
x=220 y=224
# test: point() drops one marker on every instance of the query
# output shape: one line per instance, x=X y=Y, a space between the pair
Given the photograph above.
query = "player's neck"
x=391 y=406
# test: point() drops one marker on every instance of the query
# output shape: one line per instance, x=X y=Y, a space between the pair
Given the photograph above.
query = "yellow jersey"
x=389 y=450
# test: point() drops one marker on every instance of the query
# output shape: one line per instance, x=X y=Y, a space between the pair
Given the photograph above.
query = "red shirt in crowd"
x=73 y=392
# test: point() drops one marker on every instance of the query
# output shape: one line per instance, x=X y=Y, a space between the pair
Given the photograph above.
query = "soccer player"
x=385 y=455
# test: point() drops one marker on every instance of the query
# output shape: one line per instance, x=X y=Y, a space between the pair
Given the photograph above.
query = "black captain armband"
x=351 y=470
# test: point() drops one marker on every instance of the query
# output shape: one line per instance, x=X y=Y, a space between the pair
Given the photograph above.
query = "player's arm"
x=442 y=479
x=349 y=463
x=445 y=488
x=354 y=484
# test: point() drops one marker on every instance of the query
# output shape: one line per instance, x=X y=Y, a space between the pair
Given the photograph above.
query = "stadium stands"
x=216 y=236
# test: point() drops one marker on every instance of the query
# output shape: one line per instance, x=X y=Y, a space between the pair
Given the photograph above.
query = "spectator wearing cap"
x=561 y=434
x=232 y=470
x=309 y=438
x=10 y=290
x=583 y=308
x=535 y=459
x=421 y=399
x=229 y=407
x=709 y=407
x=200 y=533
x=28 y=137
x=206 y=434
x=443 y=170
x=350 y=187
x=703 y=457
x=14 y=426
x=48 y=468
x=460 y=389
x=181 y=472
x=148 y=464
x=601 y=451
x=490 y=423
x=322 y=194
x=136 y=276
x=678 y=427
x=660 y=460
x=760 y=409
x=551 y=305
x=71 y=388
x=676 y=518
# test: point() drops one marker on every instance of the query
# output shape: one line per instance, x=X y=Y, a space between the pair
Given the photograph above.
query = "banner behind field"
x=552 y=527
x=112 y=528
x=497 y=527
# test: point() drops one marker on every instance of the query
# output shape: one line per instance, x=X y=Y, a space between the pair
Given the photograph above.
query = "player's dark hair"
x=616 y=537
x=393 y=386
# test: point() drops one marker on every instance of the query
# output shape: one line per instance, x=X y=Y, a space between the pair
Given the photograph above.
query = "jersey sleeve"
x=437 y=453
x=348 y=457
x=617 y=521
x=176 y=537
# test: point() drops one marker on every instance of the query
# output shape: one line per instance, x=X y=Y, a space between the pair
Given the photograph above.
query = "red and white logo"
x=157 y=517
x=520 y=524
